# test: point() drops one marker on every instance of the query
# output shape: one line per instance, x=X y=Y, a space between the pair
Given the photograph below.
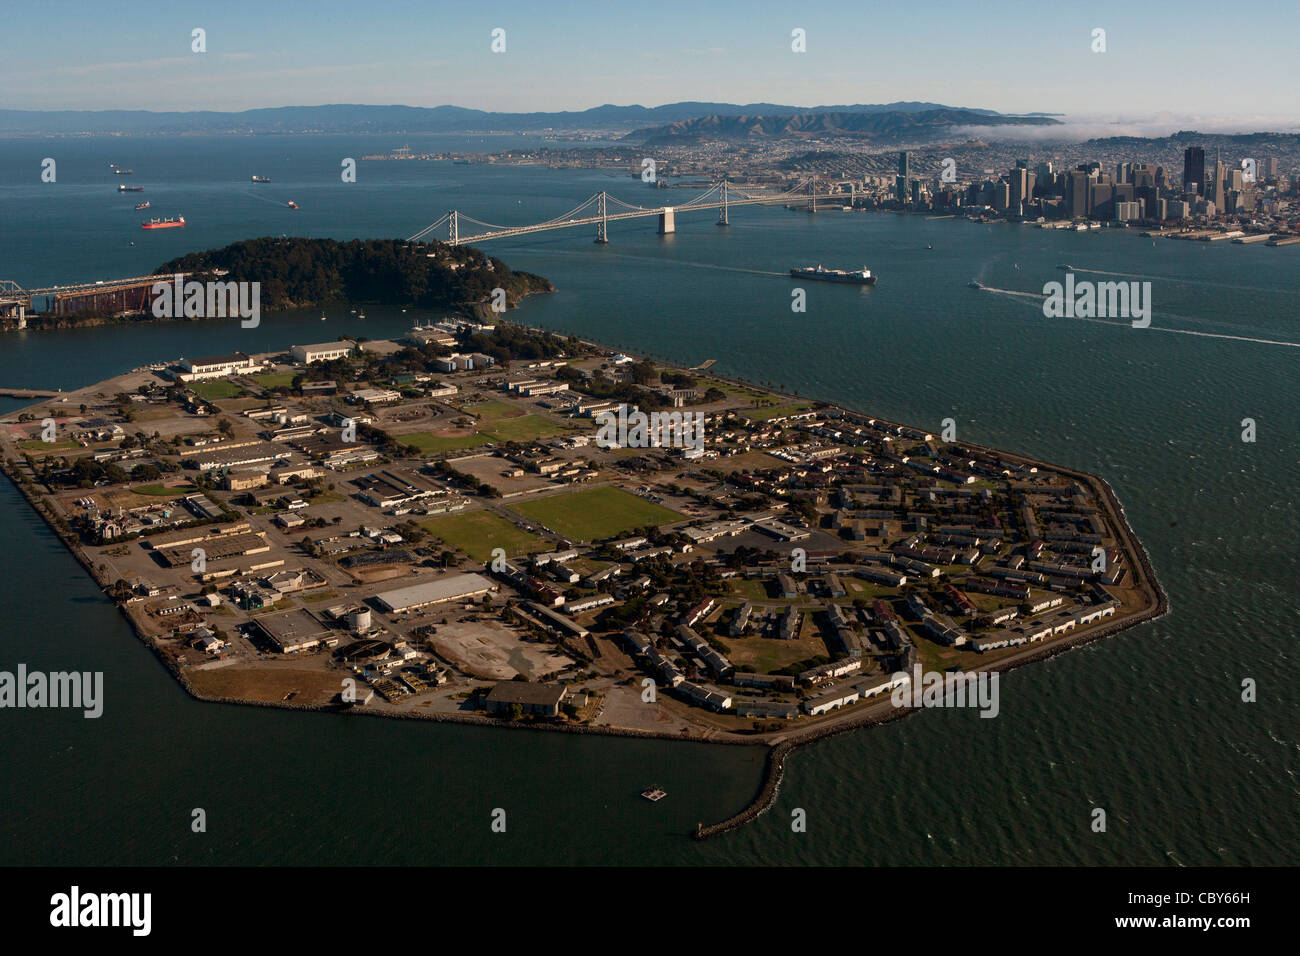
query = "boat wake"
x=1039 y=297
x=1179 y=279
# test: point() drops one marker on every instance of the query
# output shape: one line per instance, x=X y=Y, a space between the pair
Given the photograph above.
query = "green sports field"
x=216 y=389
x=478 y=532
x=500 y=431
x=595 y=513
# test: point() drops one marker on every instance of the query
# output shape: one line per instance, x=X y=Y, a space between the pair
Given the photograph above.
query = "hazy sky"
x=1189 y=61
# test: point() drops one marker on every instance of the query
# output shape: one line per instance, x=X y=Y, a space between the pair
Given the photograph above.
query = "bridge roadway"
x=634 y=214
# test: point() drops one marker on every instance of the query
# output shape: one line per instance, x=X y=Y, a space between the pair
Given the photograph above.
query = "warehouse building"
x=291 y=631
x=530 y=697
x=324 y=352
x=456 y=587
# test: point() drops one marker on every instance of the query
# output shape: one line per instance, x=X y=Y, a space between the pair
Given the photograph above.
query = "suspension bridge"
x=599 y=210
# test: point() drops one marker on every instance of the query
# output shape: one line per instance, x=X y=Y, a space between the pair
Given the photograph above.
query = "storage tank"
x=359 y=619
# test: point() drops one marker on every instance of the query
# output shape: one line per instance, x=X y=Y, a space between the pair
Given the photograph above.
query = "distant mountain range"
x=344 y=118
x=886 y=125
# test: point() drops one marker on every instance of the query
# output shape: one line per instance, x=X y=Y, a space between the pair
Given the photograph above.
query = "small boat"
x=143 y=205
x=1065 y=267
x=291 y=204
x=361 y=315
x=974 y=284
x=929 y=245
x=654 y=794
x=261 y=179
x=322 y=316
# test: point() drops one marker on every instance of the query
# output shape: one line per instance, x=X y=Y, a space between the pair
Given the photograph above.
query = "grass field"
x=491 y=411
x=216 y=389
x=478 y=532
x=500 y=431
x=596 y=513
x=164 y=491
x=764 y=655
x=430 y=443
x=776 y=411
x=40 y=448
x=274 y=379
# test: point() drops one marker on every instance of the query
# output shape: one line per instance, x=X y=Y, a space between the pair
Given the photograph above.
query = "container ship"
x=130 y=189
x=821 y=274
x=261 y=179
x=178 y=222
x=143 y=205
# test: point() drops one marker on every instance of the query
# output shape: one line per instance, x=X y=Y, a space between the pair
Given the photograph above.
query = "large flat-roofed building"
x=216 y=548
x=291 y=631
x=530 y=697
x=455 y=587
x=214 y=366
x=256 y=453
x=324 y=352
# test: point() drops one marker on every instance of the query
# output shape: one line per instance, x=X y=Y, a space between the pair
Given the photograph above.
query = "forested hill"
x=304 y=273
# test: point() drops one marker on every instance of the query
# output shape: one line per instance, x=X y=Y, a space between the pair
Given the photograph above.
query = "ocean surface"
x=1148 y=725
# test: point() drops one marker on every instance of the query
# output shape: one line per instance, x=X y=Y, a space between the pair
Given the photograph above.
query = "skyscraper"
x=1218 y=193
x=1194 y=169
x=904 y=173
x=1076 y=193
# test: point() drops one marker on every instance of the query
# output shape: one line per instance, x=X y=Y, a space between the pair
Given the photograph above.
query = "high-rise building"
x=1194 y=169
x=1219 y=193
x=1076 y=193
x=904 y=173
x=1123 y=172
x=1019 y=188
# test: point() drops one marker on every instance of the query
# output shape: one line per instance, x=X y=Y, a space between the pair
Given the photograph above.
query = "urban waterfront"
x=1149 y=724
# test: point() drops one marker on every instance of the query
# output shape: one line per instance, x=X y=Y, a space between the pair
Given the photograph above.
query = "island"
x=491 y=524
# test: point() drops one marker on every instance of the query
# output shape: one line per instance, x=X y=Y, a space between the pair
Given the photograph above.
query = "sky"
x=1186 y=64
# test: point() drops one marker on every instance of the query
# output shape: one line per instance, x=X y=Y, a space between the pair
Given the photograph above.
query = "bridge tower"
x=453 y=228
x=813 y=190
x=602 y=227
x=723 y=217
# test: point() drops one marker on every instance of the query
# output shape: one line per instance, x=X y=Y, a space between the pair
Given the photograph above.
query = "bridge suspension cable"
x=601 y=207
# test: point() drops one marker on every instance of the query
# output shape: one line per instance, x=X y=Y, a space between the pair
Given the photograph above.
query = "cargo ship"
x=821 y=274
x=178 y=222
x=143 y=205
x=261 y=179
x=130 y=189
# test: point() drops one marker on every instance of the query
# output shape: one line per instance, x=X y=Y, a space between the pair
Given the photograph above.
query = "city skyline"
x=582 y=55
